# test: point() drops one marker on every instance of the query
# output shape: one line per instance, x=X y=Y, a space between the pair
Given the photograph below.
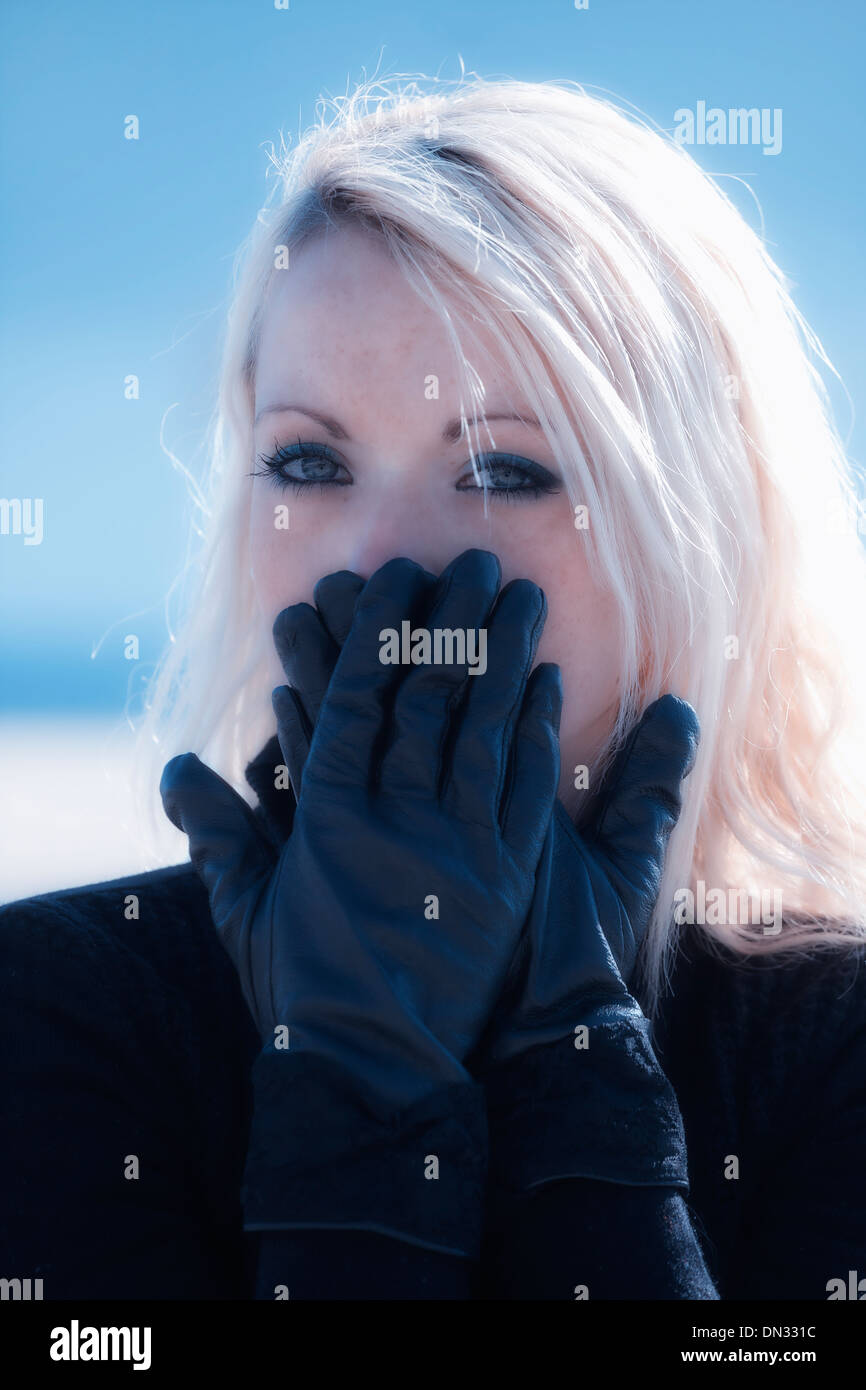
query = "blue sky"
x=115 y=256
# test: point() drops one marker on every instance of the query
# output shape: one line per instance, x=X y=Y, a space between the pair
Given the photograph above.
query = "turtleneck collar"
x=276 y=805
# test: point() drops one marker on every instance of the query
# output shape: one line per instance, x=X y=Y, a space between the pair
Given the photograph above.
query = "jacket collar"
x=276 y=806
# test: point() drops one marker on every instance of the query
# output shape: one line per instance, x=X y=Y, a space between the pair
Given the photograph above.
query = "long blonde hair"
x=657 y=342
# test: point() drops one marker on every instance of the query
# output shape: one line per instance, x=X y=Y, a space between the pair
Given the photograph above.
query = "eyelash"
x=292 y=454
x=544 y=484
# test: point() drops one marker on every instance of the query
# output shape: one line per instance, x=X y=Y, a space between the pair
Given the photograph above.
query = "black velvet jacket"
x=142 y=1123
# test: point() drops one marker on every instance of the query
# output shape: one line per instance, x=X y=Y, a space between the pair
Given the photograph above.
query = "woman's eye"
x=302 y=466
x=508 y=477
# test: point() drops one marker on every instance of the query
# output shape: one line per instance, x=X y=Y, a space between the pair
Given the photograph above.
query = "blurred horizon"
x=67 y=814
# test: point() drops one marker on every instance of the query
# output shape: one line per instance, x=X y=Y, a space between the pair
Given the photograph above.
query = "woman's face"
x=356 y=366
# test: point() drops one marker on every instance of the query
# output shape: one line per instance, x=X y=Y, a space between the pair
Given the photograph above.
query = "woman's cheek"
x=537 y=541
x=581 y=636
x=291 y=549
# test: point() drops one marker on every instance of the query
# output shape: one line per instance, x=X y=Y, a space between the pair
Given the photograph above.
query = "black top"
x=141 y=1124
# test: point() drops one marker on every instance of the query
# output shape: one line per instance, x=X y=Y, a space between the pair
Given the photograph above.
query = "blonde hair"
x=656 y=340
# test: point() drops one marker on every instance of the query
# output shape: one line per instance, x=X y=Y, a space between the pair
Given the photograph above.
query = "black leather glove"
x=308 y=642
x=595 y=894
x=382 y=933
x=566 y=1024
x=597 y=888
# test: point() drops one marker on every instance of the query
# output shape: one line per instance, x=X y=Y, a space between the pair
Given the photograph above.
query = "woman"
x=533 y=974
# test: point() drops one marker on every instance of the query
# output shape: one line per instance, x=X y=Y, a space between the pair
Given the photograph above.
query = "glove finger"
x=354 y=720
x=460 y=604
x=481 y=745
x=642 y=799
x=534 y=772
x=308 y=644
x=335 y=597
x=227 y=847
x=294 y=732
x=308 y=655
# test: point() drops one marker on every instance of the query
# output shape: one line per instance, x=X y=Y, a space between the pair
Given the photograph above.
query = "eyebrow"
x=452 y=432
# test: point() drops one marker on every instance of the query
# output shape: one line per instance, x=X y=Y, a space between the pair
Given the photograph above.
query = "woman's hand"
x=597 y=889
x=569 y=949
x=382 y=934
x=308 y=642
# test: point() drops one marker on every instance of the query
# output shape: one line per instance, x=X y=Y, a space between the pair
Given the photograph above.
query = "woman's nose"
x=398 y=525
